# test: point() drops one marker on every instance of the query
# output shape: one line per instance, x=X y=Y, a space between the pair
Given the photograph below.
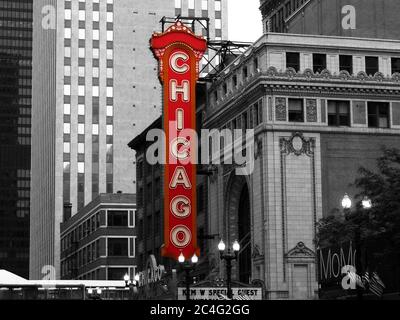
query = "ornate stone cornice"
x=325 y=75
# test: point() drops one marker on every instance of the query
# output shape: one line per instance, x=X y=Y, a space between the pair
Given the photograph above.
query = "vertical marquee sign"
x=179 y=52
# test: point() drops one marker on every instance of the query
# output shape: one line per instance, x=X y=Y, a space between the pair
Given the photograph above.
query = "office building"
x=95 y=86
x=98 y=243
x=15 y=133
x=321 y=107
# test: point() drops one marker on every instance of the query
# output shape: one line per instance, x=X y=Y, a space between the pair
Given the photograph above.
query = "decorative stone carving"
x=326 y=74
x=271 y=72
x=256 y=252
x=280 y=109
x=290 y=72
x=344 y=75
x=311 y=110
x=379 y=76
x=396 y=76
x=258 y=148
x=362 y=75
x=308 y=73
x=297 y=145
x=300 y=251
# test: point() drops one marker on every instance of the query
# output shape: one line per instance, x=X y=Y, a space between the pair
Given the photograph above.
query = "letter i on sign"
x=179 y=52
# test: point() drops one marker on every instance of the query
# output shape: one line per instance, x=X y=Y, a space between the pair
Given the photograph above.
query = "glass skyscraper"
x=15 y=133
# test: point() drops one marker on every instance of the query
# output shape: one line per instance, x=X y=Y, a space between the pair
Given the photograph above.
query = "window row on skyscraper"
x=94 y=62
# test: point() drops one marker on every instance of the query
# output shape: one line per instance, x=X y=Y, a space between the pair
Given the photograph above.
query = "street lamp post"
x=94 y=294
x=366 y=205
x=132 y=284
x=228 y=257
x=188 y=267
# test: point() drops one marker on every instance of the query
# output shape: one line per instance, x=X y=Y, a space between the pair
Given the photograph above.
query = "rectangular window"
x=339 y=113
x=67 y=71
x=293 y=60
x=67 y=14
x=149 y=227
x=81 y=148
x=346 y=63
x=82 y=33
x=132 y=247
x=67 y=33
x=296 y=110
x=117 y=273
x=67 y=147
x=191 y=4
x=110 y=111
x=117 y=247
x=110 y=35
x=395 y=65
x=371 y=65
x=81 y=71
x=96 y=35
x=217 y=5
x=157 y=223
x=96 y=16
x=110 y=17
x=81 y=167
x=319 y=62
x=218 y=24
x=378 y=114
x=81 y=128
x=81 y=109
x=67 y=128
x=67 y=109
x=117 y=218
x=132 y=218
x=82 y=15
x=178 y=4
x=204 y=4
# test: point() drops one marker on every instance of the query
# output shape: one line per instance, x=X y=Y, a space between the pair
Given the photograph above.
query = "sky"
x=244 y=20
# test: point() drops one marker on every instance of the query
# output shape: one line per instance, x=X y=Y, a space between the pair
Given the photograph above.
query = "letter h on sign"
x=179 y=52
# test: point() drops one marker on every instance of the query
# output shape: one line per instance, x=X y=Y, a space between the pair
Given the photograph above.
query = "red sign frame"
x=179 y=52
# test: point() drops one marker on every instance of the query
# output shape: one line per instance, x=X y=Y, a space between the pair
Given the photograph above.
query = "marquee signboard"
x=216 y=293
x=179 y=52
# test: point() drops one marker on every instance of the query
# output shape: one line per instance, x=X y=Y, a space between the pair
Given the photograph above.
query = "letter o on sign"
x=180 y=236
x=180 y=207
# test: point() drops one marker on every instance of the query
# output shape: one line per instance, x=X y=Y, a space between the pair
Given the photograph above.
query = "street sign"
x=216 y=293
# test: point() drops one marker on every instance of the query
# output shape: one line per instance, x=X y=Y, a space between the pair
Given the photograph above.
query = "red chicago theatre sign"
x=179 y=52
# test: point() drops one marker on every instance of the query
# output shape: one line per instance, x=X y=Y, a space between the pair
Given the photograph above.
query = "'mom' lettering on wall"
x=332 y=260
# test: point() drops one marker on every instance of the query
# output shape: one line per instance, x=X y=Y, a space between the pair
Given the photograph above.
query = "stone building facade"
x=320 y=107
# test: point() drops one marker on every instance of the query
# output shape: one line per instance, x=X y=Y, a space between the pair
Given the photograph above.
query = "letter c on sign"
x=173 y=62
x=180 y=155
x=180 y=207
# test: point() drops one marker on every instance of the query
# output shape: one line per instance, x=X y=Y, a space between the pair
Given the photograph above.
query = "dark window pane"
x=338 y=113
x=117 y=247
x=371 y=65
x=293 y=60
x=378 y=114
x=117 y=218
x=117 y=273
x=296 y=110
x=395 y=65
x=346 y=63
x=319 y=62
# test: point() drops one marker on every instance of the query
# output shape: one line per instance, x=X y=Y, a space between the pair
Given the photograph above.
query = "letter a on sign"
x=179 y=52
